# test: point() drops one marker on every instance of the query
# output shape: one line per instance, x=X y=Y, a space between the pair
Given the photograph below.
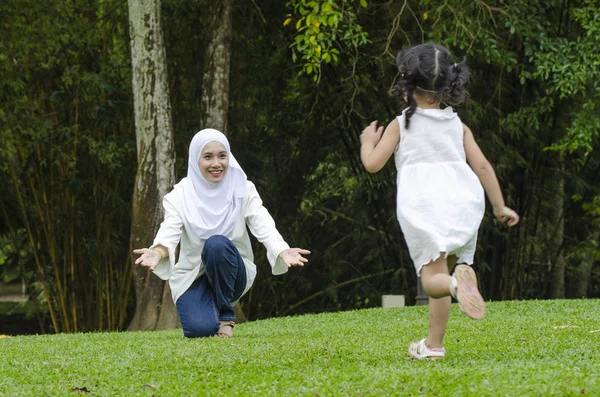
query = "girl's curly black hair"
x=429 y=69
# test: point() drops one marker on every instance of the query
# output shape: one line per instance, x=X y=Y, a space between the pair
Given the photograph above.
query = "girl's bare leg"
x=436 y=283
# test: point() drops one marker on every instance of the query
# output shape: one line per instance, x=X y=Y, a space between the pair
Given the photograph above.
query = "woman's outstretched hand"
x=505 y=214
x=148 y=258
x=293 y=256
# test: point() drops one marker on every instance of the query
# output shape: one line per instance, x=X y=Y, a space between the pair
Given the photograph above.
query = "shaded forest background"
x=296 y=108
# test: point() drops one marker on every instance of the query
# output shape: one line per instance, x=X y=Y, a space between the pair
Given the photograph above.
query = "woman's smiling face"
x=214 y=161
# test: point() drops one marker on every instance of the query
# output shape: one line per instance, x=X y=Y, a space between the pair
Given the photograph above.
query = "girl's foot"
x=225 y=329
x=464 y=289
x=420 y=351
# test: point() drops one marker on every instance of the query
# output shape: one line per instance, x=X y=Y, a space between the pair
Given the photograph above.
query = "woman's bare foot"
x=226 y=329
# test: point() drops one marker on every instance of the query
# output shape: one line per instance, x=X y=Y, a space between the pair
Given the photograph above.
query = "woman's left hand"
x=293 y=256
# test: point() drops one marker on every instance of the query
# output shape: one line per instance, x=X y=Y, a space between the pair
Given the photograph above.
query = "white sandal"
x=420 y=351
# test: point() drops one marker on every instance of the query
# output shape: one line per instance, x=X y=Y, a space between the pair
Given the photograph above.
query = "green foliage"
x=583 y=131
x=15 y=258
x=569 y=64
x=68 y=155
x=470 y=28
x=361 y=352
x=592 y=209
x=329 y=181
x=324 y=28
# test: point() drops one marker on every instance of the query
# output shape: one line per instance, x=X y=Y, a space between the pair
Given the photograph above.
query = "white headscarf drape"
x=212 y=208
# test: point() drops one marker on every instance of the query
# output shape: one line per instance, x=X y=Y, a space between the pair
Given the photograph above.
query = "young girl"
x=440 y=200
x=208 y=212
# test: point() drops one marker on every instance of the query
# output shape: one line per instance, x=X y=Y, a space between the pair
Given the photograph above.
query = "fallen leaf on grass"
x=80 y=390
x=5 y=336
x=150 y=385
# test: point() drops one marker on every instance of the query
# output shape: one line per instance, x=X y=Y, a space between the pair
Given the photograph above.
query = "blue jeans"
x=208 y=300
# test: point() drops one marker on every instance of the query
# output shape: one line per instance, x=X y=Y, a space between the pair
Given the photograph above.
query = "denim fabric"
x=208 y=300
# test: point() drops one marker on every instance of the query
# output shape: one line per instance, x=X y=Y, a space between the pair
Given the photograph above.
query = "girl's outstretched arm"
x=377 y=145
x=485 y=172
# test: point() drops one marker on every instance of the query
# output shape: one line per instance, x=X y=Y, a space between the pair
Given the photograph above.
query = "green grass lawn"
x=527 y=348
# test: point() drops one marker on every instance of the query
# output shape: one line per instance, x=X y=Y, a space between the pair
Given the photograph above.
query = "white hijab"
x=212 y=208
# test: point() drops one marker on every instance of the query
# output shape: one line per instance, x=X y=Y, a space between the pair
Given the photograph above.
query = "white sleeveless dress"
x=440 y=201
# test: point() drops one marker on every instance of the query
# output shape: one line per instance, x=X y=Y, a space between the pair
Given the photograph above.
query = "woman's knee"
x=217 y=243
x=200 y=330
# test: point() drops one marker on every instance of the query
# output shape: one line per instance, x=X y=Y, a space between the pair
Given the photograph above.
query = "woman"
x=207 y=212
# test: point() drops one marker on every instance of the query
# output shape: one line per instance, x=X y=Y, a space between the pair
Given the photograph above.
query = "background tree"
x=155 y=175
x=215 y=81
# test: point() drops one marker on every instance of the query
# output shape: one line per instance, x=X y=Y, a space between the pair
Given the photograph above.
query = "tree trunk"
x=557 y=287
x=584 y=271
x=215 y=81
x=156 y=159
x=214 y=104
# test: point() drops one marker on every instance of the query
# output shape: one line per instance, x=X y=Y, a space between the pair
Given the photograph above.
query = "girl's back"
x=431 y=164
x=434 y=136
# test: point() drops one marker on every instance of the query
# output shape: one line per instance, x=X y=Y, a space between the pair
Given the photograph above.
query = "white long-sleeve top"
x=174 y=230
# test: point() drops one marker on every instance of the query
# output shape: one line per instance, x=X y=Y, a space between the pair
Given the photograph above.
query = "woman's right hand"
x=504 y=214
x=148 y=258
